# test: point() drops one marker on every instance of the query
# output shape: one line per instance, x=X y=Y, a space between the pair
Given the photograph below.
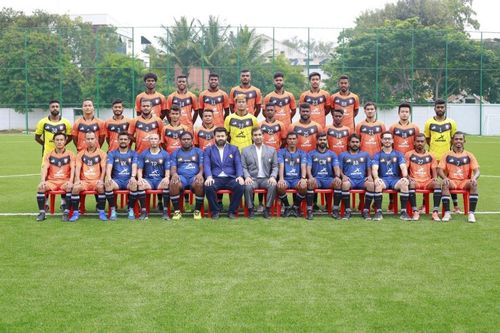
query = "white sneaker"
x=472 y=218
x=446 y=217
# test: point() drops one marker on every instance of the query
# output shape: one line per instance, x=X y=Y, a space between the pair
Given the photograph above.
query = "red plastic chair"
x=52 y=199
x=465 y=195
x=326 y=195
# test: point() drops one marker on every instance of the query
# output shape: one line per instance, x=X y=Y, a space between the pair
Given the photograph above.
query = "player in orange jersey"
x=116 y=124
x=58 y=170
x=158 y=101
x=318 y=98
x=369 y=130
x=253 y=94
x=88 y=123
x=346 y=100
x=215 y=99
x=404 y=131
x=187 y=101
x=337 y=134
x=204 y=135
x=273 y=131
x=459 y=170
x=143 y=126
x=306 y=129
x=422 y=174
x=89 y=176
x=283 y=101
x=171 y=134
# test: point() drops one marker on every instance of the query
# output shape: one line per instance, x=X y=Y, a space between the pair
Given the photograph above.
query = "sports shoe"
x=335 y=214
x=457 y=210
x=260 y=208
x=113 y=215
x=471 y=218
x=164 y=215
x=131 y=214
x=65 y=216
x=421 y=209
x=266 y=214
x=41 y=216
x=347 y=215
x=177 y=215
x=365 y=215
x=102 y=216
x=404 y=216
x=197 y=215
x=378 y=216
x=75 y=217
x=309 y=215
x=416 y=215
x=435 y=216
x=144 y=215
x=288 y=211
x=446 y=217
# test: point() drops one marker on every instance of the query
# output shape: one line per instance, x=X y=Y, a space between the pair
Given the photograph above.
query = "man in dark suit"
x=223 y=171
x=260 y=168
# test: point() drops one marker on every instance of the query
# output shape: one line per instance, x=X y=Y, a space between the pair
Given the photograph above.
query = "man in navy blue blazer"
x=223 y=171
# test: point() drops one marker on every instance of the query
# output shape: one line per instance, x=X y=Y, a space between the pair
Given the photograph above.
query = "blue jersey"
x=292 y=162
x=154 y=165
x=122 y=163
x=322 y=163
x=188 y=163
x=354 y=166
x=388 y=164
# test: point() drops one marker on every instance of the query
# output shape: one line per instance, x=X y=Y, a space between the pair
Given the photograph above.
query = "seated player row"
x=259 y=166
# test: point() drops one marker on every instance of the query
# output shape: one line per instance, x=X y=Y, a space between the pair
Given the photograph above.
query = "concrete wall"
x=466 y=116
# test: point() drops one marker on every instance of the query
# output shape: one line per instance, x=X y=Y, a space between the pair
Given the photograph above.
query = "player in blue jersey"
x=186 y=168
x=389 y=172
x=121 y=170
x=355 y=170
x=153 y=173
x=292 y=174
x=322 y=171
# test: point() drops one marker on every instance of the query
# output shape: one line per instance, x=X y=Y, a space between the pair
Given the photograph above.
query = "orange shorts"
x=89 y=185
x=456 y=184
x=55 y=185
x=423 y=184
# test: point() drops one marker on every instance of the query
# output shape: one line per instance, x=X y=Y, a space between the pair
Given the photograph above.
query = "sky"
x=256 y=13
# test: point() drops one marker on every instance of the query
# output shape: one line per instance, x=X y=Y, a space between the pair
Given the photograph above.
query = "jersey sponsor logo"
x=124 y=172
x=189 y=166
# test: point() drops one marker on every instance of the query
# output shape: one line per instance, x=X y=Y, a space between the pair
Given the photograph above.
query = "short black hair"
x=370 y=103
x=182 y=76
x=354 y=135
x=305 y=105
x=117 y=101
x=404 y=105
x=59 y=134
x=186 y=133
x=439 y=101
x=123 y=133
x=290 y=134
x=278 y=74
x=150 y=76
x=220 y=129
x=52 y=101
x=344 y=77
x=213 y=75
x=339 y=111
x=175 y=107
x=314 y=74
x=245 y=70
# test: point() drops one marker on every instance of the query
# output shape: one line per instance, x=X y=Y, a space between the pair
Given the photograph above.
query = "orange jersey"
x=60 y=165
x=349 y=104
x=320 y=102
x=188 y=103
x=253 y=94
x=82 y=126
x=216 y=101
x=458 y=166
x=306 y=135
x=337 y=138
x=420 y=166
x=171 y=137
x=113 y=128
x=371 y=142
x=204 y=137
x=404 y=136
x=273 y=134
x=141 y=128
x=92 y=165
x=158 y=101
x=283 y=106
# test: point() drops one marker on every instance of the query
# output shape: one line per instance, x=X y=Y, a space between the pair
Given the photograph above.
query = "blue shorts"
x=357 y=183
x=153 y=182
x=325 y=182
x=292 y=182
x=390 y=182
x=122 y=183
x=186 y=182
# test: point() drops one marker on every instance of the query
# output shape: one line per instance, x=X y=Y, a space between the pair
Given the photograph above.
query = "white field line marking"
x=24 y=175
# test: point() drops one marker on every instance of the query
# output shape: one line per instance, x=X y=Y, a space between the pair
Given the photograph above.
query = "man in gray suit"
x=260 y=169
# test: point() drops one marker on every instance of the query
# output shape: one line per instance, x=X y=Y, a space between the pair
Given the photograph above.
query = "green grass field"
x=245 y=276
